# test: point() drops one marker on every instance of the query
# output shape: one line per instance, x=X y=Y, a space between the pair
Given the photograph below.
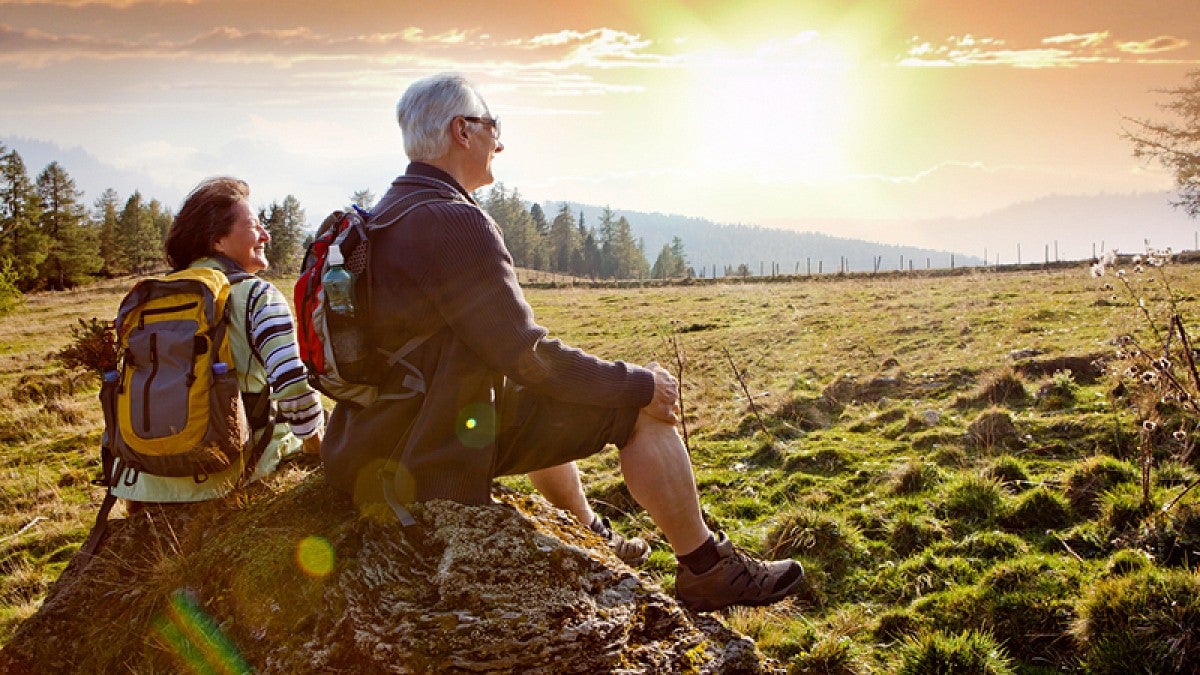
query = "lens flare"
x=476 y=425
x=314 y=556
x=196 y=639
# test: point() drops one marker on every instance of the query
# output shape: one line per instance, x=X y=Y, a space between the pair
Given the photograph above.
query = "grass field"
x=937 y=451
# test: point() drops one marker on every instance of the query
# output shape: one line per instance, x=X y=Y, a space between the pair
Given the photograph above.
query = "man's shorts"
x=536 y=432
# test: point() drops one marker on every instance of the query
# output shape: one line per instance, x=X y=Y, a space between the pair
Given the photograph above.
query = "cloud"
x=1067 y=50
x=1162 y=43
x=1084 y=40
x=462 y=49
x=119 y=4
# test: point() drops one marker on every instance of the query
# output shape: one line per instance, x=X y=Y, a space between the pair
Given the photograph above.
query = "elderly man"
x=499 y=396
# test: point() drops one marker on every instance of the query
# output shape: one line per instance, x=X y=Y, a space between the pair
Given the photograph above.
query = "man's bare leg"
x=560 y=485
x=658 y=472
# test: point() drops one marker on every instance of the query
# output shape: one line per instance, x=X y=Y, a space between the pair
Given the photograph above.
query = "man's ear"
x=459 y=132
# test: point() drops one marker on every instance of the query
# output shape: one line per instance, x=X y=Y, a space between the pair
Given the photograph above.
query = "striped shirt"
x=272 y=333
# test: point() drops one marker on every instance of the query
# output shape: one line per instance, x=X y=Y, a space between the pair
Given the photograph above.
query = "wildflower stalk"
x=1140 y=303
x=745 y=390
x=1186 y=344
x=1186 y=398
x=1175 y=500
x=680 y=362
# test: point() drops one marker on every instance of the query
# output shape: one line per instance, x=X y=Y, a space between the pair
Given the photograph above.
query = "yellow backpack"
x=173 y=406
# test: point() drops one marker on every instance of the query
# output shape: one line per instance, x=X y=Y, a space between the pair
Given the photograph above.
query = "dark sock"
x=703 y=558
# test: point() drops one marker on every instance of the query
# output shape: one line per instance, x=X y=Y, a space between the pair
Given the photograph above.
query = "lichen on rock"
x=513 y=587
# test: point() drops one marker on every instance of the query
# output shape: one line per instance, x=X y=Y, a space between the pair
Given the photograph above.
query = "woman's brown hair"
x=206 y=216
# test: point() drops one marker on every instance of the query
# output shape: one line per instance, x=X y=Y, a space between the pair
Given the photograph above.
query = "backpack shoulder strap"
x=258 y=405
x=431 y=191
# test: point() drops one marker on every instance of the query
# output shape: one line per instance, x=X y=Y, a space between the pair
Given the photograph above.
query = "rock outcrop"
x=289 y=578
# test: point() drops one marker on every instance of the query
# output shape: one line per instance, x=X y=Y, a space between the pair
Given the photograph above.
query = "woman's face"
x=246 y=242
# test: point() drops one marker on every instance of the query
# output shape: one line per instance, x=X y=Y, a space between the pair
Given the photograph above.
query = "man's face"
x=483 y=131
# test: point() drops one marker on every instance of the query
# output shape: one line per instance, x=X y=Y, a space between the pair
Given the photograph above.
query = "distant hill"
x=707 y=244
x=1056 y=227
x=1073 y=225
x=1076 y=223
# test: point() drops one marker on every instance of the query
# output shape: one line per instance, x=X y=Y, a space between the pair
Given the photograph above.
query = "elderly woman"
x=216 y=228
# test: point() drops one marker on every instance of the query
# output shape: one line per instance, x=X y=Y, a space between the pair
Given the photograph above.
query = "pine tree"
x=72 y=256
x=139 y=233
x=112 y=254
x=22 y=242
x=606 y=242
x=539 y=219
x=285 y=223
x=516 y=224
x=627 y=259
x=161 y=218
x=671 y=262
x=363 y=198
x=563 y=243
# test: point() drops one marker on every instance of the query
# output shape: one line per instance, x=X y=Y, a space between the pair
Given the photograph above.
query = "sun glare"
x=781 y=111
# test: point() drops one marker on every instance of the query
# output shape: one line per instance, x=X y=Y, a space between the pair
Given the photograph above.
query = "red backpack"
x=350 y=230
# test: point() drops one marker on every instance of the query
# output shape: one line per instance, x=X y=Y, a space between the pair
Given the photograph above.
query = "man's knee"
x=651 y=433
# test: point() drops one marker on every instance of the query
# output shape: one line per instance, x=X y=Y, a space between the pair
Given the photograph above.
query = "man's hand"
x=665 y=404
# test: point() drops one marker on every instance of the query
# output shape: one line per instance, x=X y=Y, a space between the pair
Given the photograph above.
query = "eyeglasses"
x=493 y=122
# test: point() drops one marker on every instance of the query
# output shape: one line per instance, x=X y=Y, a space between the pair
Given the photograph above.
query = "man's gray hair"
x=425 y=111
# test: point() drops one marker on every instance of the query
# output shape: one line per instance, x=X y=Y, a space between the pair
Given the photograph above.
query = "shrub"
x=1059 y=392
x=823 y=462
x=910 y=533
x=1026 y=603
x=922 y=574
x=1122 y=510
x=993 y=429
x=10 y=295
x=1029 y=604
x=896 y=624
x=1172 y=474
x=1010 y=471
x=915 y=475
x=1086 y=540
x=987 y=547
x=93 y=346
x=1150 y=618
x=1092 y=478
x=833 y=654
x=1172 y=536
x=939 y=653
x=1127 y=561
x=817 y=535
x=1040 y=508
x=996 y=387
x=972 y=500
x=949 y=455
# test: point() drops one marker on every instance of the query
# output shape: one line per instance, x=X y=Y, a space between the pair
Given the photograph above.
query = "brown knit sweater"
x=444 y=270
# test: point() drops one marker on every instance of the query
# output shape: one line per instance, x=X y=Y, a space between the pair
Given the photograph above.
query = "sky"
x=789 y=113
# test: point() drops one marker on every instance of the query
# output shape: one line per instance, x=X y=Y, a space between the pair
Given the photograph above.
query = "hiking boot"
x=736 y=579
x=632 y=551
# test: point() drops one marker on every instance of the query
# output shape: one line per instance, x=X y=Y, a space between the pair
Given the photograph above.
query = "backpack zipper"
x=149 y=380
x=164 y=310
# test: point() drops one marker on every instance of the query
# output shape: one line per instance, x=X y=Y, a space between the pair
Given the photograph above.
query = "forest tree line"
x=568 y=245
x=50 y=239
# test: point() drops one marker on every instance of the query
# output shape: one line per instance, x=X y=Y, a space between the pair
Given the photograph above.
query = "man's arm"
x=474 y=286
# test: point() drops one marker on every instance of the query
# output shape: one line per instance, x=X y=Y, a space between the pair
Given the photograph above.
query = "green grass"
x=947 y=515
